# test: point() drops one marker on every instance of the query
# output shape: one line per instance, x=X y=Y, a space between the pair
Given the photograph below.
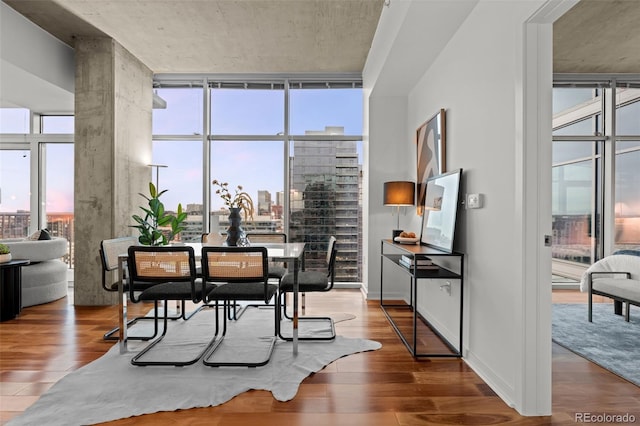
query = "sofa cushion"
x=624 y=288
x=38 y=250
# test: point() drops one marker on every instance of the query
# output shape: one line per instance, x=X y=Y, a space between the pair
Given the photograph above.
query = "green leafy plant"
x=4 y=249
x=157 y=227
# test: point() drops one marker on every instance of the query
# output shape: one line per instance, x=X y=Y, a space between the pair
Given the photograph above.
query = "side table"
x=11 y=288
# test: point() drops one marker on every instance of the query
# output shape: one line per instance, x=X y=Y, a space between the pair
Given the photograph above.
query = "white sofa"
x=616 y=277
x=45 y=278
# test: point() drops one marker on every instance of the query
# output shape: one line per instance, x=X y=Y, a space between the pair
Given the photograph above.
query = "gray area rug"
x=110 y=388
x=608 y=341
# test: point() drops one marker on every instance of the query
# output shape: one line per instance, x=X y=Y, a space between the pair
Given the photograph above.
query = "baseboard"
x=499 y=386
x=347 y=285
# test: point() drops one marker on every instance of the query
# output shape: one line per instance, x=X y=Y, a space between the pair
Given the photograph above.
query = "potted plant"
x=5 y=253
x=157 y=227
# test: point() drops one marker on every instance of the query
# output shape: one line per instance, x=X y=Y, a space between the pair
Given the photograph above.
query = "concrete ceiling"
x=300 y=36
x=598 y=36
x=221 y=36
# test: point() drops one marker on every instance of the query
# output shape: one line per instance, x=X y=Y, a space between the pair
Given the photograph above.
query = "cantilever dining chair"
x=309 y=281
x=109 y=251
x=171 y=273
x=277 y=270
x=240 y=274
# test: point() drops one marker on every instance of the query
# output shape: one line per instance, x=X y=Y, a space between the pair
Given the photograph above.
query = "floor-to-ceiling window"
x=15 y=170
x=58 y=193
x=325 y=174
x=292 y=144
x=280 y=140
x=36 y=175
x=15 y=194
x=627 y=167
x=585 y=132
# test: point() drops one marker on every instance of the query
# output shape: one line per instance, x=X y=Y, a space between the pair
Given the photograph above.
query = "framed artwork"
x=430 y=143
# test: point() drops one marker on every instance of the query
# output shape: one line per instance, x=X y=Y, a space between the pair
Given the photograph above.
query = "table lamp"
x=399 y=194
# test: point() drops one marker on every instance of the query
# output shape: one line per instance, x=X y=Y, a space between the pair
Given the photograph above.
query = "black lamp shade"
x=399 y=193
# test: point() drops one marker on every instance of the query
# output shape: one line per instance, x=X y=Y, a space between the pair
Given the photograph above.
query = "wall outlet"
x=474 y=201
x=446 y=287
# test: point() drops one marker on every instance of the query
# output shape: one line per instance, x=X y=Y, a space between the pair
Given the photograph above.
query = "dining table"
x=290 y=253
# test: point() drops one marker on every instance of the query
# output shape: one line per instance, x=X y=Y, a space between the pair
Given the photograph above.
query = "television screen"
x=440 y=210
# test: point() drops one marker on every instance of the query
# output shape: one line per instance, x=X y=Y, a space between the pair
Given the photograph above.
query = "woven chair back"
x=234 y=264
x=161 y=263
x=112 y=248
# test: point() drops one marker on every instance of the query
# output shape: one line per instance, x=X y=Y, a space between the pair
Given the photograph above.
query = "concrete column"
x=113 y=101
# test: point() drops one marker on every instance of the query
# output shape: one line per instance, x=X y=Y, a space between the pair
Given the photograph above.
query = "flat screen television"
x=440 y=210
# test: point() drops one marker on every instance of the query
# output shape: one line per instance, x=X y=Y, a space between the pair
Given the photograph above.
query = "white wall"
x=36 y=69
x=476 y=77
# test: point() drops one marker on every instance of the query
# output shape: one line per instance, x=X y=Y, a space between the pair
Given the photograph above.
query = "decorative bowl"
x=406 y=240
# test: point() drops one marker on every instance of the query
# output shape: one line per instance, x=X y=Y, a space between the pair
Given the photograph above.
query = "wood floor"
x=385 y=387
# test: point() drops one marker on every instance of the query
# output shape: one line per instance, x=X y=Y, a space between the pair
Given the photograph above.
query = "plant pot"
x=235 y=234
x=4 y=258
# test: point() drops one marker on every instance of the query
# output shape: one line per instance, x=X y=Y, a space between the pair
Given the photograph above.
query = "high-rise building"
x=264 y=203
x=325 y=197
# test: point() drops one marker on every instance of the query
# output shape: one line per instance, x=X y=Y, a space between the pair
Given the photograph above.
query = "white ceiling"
x=303 y=36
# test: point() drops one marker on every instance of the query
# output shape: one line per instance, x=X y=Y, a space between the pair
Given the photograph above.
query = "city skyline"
x=254 y=164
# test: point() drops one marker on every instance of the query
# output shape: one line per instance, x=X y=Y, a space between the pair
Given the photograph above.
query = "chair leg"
x=206 y=360
x=136 y=360
x=110 y=335
x=284 y=306
x=186 y=316
x=590 y=299
x=283 y=311
x=626 y=314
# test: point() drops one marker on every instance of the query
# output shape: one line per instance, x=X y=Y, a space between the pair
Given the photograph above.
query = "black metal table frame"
x=418 y=252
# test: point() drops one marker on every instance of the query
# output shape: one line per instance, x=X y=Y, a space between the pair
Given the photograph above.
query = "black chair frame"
x=252 y=287
x=109 y=262
x=161 y=289
x=281 y=302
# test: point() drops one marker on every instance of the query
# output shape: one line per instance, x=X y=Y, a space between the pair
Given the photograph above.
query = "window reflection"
x=571 y=151
x=628 y=115
x=627 y=204
x=582 y=128
x=572 y=207
x=326 y=188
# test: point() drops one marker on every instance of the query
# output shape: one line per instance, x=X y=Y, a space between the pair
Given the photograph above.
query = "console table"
x=404 y=317
x=11 y=288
